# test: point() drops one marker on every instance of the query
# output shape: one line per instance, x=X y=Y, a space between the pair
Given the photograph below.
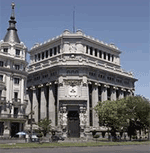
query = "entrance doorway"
x=73 y=124
x=14 y=128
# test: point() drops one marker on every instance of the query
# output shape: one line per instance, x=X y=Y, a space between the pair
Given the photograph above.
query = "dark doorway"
x=73 y=124
x=14 y=128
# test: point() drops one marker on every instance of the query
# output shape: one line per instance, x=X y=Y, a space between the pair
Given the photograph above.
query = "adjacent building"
x=68 y=75
x=13 y=77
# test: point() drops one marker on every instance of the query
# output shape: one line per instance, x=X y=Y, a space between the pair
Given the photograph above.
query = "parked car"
x=56 y=138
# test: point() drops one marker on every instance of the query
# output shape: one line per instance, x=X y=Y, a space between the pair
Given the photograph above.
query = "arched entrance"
x=73 y=124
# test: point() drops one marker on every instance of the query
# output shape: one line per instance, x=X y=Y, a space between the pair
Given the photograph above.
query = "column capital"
x=40 y=86
x=48 y=84
x=115 y=88
x=33 y=88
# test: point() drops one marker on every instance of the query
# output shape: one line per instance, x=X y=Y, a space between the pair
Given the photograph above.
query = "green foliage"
x=130 y=113
x=44 y=126
x=96 y=136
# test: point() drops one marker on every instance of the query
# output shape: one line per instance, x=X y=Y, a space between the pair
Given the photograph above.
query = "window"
x=95 y=52
x=15 y=112
x=87 y=49
x=1 y=77
x=39 y=57
x=35 y=58
x=100 y=54
x=91 y=51
x=1 y=63
x=108 y=57
x=5 y=50
x=104 y=55
x=17 y=52
x=46 y=53
x=50 y=52
x=17 y=67
x=16 y=80
x=0 y=93
x=55 y=51
x=42 y=55
x=16 y=95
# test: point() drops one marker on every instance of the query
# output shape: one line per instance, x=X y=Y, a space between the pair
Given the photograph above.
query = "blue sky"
x=123 y=22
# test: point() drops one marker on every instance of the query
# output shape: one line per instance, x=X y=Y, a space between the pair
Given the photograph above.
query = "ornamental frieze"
x=72 y=82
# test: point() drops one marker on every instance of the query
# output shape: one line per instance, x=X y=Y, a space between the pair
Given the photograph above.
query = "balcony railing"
x=12 y=116
x=17 y=102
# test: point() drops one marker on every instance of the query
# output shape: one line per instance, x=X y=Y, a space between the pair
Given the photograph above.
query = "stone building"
x=13 y=79
x=68 y=75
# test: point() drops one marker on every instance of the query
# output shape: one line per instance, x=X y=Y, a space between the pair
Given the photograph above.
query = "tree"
x=127 y=114
x=44 y=125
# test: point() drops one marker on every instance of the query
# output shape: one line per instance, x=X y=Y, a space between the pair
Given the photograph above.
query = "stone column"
x=121 y=95
x=43 y=109
x=97 y=53
x=35 y=104
x=94 y=103
x=51 y=105
x=8 y=84
x=93 y=52
x=106 y=56
x=63 y=120
x=88 y=50
x=29 y=98
x=82 y=117
x=113 y=93
x=104 y=93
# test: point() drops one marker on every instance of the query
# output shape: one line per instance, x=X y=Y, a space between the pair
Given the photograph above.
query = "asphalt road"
x=104 y=149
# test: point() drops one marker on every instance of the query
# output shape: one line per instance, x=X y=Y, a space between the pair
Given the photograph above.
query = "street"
x=103 y=149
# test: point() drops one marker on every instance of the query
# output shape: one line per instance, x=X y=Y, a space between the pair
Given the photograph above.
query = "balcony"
x=16 y=101
x=13 y=116
x=2 y=100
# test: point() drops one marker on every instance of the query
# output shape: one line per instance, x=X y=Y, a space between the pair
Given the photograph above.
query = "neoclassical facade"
x=68 y=75
x=13 y=78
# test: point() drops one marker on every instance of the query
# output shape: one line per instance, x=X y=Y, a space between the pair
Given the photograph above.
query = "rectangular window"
x=6 y=50
x=46 y=53
x=108 y=57
x=35 y=58
x=104 y=55
x=16 y=95
x=95 y=52
x=1 y=78
x=42 y=55
x=38 y=57
x=17 y=67
x=15 y=112
x=17 y=52
x=91 y=51
x=100 y=54
x=87 y=49
x=50 y=52
x=55 y=51
x=16 y=80
x=1 y=63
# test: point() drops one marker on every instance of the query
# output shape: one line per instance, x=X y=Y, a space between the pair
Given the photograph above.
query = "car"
x=56 y=138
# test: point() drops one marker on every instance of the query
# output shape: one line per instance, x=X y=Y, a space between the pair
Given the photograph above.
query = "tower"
x=13 y=78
